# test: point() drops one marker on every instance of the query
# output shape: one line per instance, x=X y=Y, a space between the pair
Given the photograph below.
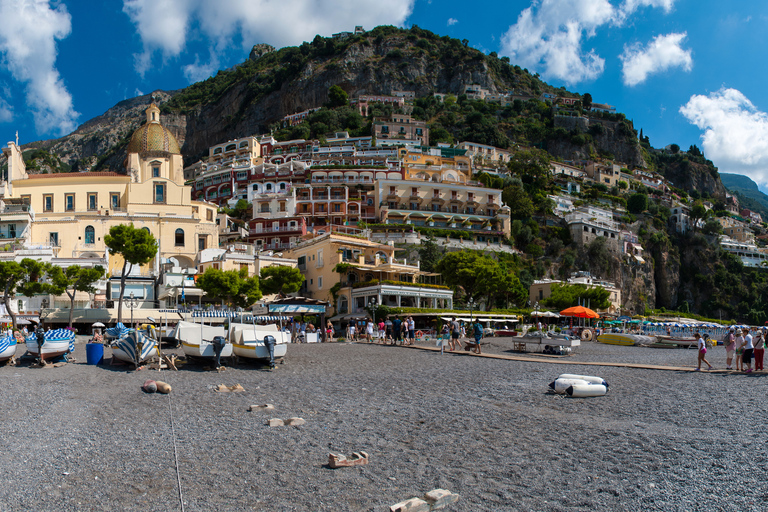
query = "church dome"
x=153 y=136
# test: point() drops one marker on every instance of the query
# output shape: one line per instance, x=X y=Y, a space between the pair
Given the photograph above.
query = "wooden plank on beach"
x=530 y=359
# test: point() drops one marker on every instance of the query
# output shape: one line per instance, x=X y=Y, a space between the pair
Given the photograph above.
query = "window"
x=53 y=238
x=69 y=202
x=155 y=171
x=48 y=202
x=179 y=237
x=385 y=129
x=202 y=243
x=320 y=283
x=392 y=190
x=159 y=192
x=209 y=214
x=419 y=132
x=92 y=201
x=90 y=235
x=26 y=199
x=146 y=229
x=11 y=230
x=114 y=200
x=414 y=191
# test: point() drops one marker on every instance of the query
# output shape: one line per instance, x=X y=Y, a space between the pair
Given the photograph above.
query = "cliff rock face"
x=611 y=137
x=667 y=277
x=689 y=175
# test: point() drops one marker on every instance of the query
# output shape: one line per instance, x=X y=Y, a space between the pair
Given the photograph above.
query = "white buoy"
x=559 y=385
x=581 y=390
x=588 y=378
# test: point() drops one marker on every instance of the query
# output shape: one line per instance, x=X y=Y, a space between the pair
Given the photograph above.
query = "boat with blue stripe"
x=135 y=347
x=56 y=342
x=7 y=348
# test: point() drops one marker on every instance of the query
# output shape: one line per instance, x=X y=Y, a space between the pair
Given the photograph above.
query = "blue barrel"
x=94 y=353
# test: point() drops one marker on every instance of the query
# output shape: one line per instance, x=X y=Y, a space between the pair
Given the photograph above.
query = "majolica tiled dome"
x=153 y=136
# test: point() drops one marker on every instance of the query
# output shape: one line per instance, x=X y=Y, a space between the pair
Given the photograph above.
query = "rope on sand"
x=175 y=453
x=534 y=359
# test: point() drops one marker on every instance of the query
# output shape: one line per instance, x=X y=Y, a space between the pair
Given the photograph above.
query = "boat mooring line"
x=533 y=359
x=175 y=453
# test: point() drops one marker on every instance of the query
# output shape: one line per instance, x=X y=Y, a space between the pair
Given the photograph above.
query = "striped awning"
x=417 y=215
x=171 y=310
x=263 y=318
x=214 y=314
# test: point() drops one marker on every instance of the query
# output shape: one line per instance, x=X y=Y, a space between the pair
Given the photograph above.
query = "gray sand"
x=85 y=437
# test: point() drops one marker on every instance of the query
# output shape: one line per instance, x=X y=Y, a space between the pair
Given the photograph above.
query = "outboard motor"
x=269 y=342
x=218 y=346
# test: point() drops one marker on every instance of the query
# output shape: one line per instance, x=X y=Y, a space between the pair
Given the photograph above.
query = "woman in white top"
x=746 y=358
x=738 y=342
x=702 y=351
x=369 y=330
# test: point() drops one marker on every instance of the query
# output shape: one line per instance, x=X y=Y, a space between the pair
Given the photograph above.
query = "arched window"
x=179 y=237
x=90 y=235
x=147 y=230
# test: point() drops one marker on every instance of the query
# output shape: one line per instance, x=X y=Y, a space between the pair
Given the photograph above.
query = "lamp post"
x=372 y=306
x=536 y=310
x=471 y=305
x=132 y=303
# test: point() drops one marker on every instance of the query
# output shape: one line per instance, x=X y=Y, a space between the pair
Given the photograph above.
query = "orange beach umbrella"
x=579 y=312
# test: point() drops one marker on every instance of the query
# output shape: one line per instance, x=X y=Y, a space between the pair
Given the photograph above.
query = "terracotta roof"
x=73 y=175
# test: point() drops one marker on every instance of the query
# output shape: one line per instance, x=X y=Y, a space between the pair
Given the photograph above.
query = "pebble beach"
x=83 y=437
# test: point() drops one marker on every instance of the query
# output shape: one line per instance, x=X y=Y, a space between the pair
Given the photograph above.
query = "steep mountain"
x=253 y=96
x=747 y=191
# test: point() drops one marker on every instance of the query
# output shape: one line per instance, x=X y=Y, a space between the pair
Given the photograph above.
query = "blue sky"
x=685 y=71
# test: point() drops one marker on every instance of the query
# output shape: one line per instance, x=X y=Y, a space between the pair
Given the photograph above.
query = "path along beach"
x=85 y=437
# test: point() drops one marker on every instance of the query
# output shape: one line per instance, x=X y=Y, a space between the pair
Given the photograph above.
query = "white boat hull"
x=259 y=351
x=204 y=349
x=51 y=348
x=8 y=352
x=135 y=348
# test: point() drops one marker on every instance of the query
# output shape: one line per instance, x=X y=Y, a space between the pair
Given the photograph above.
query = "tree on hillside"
x=136 y=246
x=459 y=270
x=566 y=295
x=518 y=200
x=337 y=97
x=280 y=279
x=586 y=100
x=532 y=166
x=637 y=203
x=27 y=278
x=231 y=286
x=429 y=254
x=698 y=212
x=75 y=279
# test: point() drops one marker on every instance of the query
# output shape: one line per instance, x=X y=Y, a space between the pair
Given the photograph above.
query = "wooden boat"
x=135 y=347
x=56 y=342
x=248 y=340
x=197 y=339
x=7 y=348
x=619 y=338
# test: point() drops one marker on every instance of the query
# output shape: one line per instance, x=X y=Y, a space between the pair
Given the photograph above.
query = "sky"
x=685 y=71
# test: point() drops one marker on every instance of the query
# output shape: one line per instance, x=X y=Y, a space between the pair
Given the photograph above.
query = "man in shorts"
x=396 y=325
x=455 y=332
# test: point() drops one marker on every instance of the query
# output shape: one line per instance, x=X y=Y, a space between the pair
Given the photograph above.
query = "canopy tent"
x=546 y=314
x=579 y=312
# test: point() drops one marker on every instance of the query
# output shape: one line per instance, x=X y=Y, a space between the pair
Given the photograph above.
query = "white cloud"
x=164 y=25
x=28 y=35
x=197 y=71
x=735 y=132
x=549 y=35
x=452 y=21
x=663 y=53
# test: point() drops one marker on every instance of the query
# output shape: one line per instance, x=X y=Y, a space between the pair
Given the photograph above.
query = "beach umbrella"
x=98 y=324
x=579 y=312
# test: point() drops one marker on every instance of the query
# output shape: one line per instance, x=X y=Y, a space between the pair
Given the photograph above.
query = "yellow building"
x=73 y=212
x=438 y=192
x=373 y=274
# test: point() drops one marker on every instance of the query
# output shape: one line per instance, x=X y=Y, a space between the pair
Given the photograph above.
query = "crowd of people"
x=743 y=344
x=395 y=332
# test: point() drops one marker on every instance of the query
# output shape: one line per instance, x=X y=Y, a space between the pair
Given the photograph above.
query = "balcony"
x=279 y=229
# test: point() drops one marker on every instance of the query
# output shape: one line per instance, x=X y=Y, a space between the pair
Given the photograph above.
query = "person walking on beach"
x=738 y=341
x=746 y=358
x=411 y=331
x=730 y=348
x=759 y=342
x=329 y=330
x=702 y=351
x=369 y=330
x=455 y=333
x=396 y=324
x=477 y=332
